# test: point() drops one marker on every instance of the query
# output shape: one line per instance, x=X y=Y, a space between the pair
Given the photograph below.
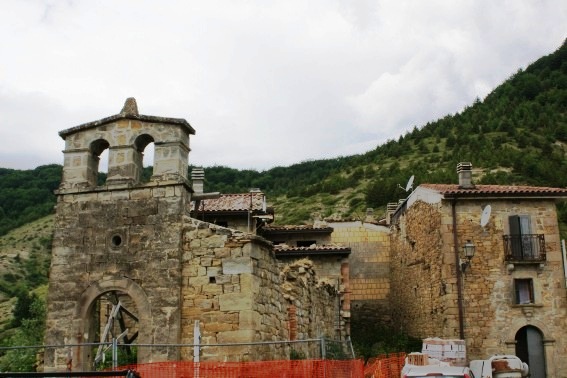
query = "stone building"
x=293 y=244
x=509 y=297
x=136 y=243
x=245 y=212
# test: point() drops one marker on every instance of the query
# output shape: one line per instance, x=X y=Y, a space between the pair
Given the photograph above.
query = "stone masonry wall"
x=492 y=318
x=312 y=305
x=121 y=240
x=232 y=285
x=424 y=285
x=369 y=269
x=423 y=296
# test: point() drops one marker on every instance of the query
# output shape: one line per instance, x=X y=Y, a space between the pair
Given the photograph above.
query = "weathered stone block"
x=249 y=320
x=218 y=327
x=212 y=289
x=235 y=301
x=249 y=283
x=237 y=265
x=198 y=281
x=240 y=336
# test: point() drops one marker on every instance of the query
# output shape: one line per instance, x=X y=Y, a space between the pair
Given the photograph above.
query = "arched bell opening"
x=98 y=151
x=144 y=158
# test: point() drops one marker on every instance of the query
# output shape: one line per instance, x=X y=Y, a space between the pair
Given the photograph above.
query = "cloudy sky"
x=264 y=83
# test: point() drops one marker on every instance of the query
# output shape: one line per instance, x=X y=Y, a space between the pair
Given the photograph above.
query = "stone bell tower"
x=122 y=240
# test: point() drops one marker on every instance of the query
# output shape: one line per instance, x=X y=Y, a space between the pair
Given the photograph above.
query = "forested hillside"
x=517 y=134
x=27 y=195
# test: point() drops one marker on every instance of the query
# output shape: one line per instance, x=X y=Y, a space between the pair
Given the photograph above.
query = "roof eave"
x=144 y=118
x=503 y=196
x=299 y=231
x=283 y=253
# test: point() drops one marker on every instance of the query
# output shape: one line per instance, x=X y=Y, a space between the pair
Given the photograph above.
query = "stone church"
x=133 y=245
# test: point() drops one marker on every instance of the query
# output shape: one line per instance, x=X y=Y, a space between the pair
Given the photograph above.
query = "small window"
x=524 y=289
x=305 y=243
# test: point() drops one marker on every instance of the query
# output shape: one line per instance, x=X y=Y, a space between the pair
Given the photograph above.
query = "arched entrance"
x=112 y=309
x=114 y=318
x=530 y=349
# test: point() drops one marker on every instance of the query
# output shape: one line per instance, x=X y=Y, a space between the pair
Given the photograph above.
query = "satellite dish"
x=485 y=217
x=409 y=185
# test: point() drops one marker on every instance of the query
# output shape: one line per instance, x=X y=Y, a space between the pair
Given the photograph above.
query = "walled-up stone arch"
x=96 y=148
x=89 y=324
x=141 y=144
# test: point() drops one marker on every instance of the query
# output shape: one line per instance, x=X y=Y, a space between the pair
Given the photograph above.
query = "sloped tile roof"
x=286 y=250
x=453 y=190
x=296 y=228
x=234 y=203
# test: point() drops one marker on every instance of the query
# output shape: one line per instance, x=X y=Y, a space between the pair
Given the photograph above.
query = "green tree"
x=30 y=333
x=23 y=308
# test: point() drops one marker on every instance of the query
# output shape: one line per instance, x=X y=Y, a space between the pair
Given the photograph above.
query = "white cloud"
x=263 y=83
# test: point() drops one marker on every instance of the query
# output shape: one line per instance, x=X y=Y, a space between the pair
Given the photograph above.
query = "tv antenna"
x=485 y=217
x=409 y=185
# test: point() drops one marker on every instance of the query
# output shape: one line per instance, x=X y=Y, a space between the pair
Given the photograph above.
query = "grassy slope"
x=20 y=248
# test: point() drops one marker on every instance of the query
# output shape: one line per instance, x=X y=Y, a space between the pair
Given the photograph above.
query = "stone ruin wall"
x=423 y=300
x=177 y=270
x=313 y=306
x=232 y=285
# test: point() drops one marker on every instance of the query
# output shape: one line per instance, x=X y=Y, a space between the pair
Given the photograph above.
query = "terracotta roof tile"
x=284 y=249
x=296 y=228
x=234 y=202
x=452 y=190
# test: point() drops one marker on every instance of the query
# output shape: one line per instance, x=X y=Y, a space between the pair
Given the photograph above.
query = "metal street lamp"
x=468 y=252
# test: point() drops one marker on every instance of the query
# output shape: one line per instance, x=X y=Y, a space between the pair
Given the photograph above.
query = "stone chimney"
x=464 y=171
x=391 y=208
x=198 y=179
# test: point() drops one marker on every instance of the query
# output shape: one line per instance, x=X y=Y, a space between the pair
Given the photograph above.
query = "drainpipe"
x=564 y=256
x=459 y=273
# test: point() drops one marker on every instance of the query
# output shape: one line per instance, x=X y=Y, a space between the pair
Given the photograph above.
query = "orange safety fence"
x=385 y=366
x=259 y=369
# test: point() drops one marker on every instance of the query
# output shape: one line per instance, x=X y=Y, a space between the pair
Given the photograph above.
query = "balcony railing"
x=524 y=248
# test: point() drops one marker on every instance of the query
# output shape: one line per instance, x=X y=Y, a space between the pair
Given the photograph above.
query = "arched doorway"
x=116 y=308
x=114 y=317
x=530 y=349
